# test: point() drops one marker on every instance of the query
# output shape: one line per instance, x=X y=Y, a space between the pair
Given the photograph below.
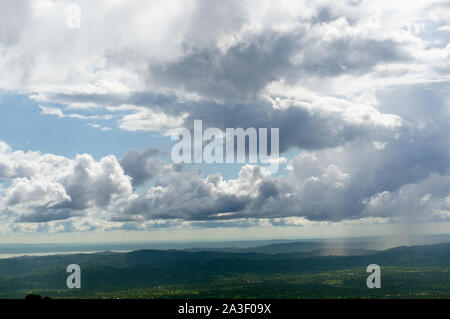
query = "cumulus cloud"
x=143 y=166
x=183 y=195
x=46 y=187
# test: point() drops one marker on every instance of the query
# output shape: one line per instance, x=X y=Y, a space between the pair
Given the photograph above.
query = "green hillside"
x=417 y=271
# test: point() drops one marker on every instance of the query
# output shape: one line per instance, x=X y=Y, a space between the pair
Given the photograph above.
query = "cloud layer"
x=359 y=92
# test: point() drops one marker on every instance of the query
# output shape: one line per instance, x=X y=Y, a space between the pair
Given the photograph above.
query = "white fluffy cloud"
x=46 y=187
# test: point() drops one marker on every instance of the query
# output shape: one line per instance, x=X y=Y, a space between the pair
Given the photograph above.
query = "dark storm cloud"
x=142 y=166
x=247 y=67
x=232 y=82
x=299 y=127
x=47 y=214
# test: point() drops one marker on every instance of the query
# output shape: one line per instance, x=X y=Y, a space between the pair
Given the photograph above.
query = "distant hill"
x=312 y=249
x=157 y=268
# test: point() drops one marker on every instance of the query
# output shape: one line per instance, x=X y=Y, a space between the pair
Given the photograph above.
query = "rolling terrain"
x=302 y=270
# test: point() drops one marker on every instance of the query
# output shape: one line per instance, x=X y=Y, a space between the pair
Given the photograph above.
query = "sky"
x=359 y=90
